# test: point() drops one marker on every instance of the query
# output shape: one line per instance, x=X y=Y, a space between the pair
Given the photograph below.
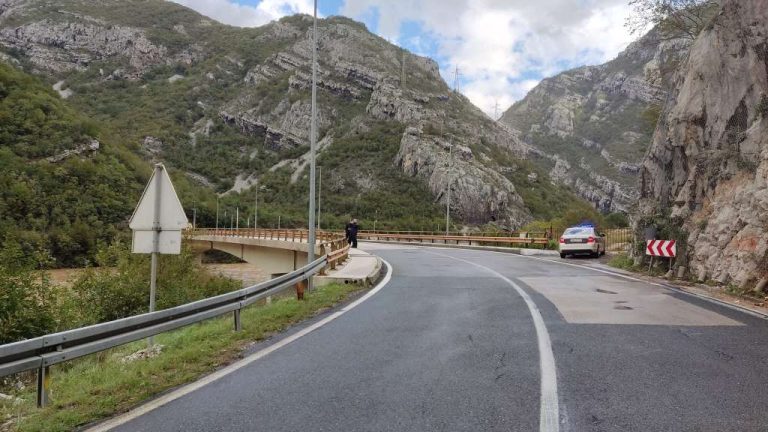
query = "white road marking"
x=187 y=389
x=549 y=411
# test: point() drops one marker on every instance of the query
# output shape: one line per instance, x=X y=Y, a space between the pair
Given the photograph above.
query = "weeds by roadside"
x=622 y=261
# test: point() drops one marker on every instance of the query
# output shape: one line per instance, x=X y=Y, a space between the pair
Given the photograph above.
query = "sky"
x=502 y=48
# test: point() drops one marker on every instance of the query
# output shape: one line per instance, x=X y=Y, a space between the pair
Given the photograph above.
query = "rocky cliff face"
x=591 y=126
x=246 y=91
x=708 y=164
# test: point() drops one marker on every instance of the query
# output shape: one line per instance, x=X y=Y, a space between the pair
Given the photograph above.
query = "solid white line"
x=187 y=389
x=549 y=411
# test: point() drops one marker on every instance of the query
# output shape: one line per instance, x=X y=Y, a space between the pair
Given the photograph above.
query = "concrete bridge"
x=280 y=251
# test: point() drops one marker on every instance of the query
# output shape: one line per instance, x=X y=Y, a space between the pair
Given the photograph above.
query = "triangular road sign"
x=159 y=206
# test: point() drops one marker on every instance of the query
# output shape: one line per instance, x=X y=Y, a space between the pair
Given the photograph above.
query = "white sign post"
x=157 y=223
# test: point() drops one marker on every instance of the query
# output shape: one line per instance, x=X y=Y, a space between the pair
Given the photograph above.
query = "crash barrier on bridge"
x=295 y=235
x=500 y=239
x=332 y=244
x=42 y=352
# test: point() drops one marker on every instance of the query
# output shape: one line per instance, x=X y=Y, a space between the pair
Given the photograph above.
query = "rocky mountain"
x=590 y=127
x=230 y=107
x=707 y=170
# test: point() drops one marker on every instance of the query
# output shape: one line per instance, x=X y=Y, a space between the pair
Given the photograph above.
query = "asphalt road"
x=450 y=346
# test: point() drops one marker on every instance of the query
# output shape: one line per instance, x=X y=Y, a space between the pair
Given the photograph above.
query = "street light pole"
x=319 y=194
x=312 y=145
x=217 y=213
x=448 y=192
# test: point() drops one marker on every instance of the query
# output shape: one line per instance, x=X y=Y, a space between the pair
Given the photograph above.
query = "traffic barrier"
x=520 y=239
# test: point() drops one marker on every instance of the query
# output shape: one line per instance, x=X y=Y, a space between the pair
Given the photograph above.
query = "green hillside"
x=223 y=106
x=63 y=207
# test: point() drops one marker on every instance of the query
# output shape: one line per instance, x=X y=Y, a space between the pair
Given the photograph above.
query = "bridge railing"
x=483 y=239
x=332 y=243
x=296 y=235
x=42 y=352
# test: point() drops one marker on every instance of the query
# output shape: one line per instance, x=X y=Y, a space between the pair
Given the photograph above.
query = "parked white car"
x=582 y=239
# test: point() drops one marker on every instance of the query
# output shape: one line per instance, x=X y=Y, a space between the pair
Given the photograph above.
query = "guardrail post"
x=43 y=386
x=238 y=322
x=324 y=249
x=300 y=290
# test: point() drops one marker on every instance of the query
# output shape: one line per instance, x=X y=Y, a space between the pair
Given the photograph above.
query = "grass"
x=622 y=261
x=101 y=385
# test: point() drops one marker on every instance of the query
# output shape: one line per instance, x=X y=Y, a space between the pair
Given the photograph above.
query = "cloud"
x=232 y=13
x=502 y=47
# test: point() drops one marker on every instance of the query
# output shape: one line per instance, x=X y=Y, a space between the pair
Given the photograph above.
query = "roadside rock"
x=708 y=164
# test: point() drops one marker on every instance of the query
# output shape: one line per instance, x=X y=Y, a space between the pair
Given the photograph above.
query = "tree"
x=674 y=18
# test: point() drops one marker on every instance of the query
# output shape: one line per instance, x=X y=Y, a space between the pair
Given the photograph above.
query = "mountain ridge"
x=228 y=106
x=589 y=126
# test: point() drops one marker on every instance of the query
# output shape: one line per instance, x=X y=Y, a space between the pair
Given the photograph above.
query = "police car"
x=582 y=239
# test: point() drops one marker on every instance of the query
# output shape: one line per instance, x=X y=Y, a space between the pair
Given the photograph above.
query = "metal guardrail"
x=42 y=352
x=504 y=234
x=295 y=235
x=521 y=239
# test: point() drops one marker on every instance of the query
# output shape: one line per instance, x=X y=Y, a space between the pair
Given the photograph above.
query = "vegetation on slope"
x=65 y=207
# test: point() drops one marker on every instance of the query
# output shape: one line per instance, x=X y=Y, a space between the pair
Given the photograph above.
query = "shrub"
x=616 y=220
x=25 y=297
x=124 y=291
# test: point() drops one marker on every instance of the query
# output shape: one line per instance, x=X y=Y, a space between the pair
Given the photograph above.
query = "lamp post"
x=217 y=212
x=448 y=191
x=312 y=145
x=319 y=194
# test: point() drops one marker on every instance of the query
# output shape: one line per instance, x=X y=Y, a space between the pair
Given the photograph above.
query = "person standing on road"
x=346 y=230
x=351 y=231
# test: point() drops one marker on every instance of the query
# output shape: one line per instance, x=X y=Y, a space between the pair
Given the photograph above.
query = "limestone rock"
x=708 y=163
x=89 y=147
x=67 y=46
x=477 y=194
x=595 y=112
